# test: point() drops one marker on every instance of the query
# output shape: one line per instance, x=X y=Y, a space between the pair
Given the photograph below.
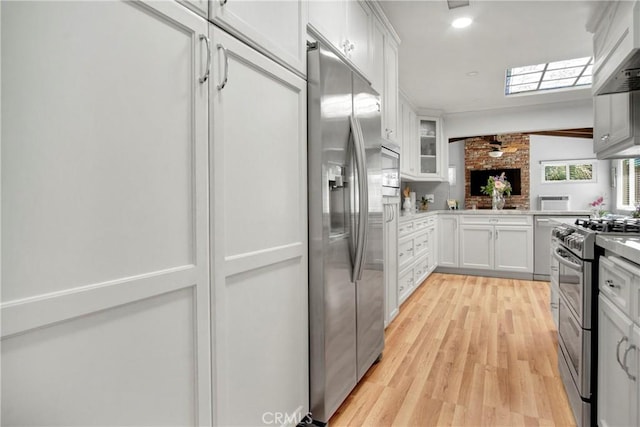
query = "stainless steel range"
x=574 y=276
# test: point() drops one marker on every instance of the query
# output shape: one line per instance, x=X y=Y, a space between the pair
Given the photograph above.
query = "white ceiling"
x=434 y=58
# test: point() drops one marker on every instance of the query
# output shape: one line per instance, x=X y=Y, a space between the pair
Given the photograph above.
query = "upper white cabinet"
x=259 y=271
x=201 y=7
x=408 y=139
x=432 y=151
x=616 y=125
x=275 y=27
x=346 y=25
x=378 y=37
x=105 y=215
x=390 y=94
x=617 y=117
x=424 y=152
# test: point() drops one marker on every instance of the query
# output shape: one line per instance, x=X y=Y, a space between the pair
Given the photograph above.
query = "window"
x=553 y=75
x=569 y=171
x=628 y=177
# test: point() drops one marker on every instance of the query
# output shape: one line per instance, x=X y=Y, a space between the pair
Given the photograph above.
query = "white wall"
x=566 y=115
x=551 y=148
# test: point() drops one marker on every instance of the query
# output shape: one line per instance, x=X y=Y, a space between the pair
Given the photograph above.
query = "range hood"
x=617 y=49
x=626 y=77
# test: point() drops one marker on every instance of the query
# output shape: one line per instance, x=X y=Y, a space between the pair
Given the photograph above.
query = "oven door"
x=575 y=349
x=574 y=283
x=390 y=172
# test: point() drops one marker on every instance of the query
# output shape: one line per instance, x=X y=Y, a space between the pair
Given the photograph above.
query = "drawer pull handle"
x=624 y=361
x=611 y=284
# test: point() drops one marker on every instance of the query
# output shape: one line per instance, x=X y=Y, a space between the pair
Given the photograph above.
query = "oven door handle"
x=563 y=260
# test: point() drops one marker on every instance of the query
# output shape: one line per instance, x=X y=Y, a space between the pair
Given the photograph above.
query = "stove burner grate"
x=624 y=225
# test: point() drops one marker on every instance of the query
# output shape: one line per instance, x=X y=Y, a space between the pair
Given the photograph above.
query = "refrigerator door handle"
x=363 y=196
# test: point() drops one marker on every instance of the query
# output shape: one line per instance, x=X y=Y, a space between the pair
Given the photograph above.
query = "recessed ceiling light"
x=472 y=73
x=461 y=22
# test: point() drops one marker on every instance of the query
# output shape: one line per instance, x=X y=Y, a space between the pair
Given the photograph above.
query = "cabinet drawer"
x=421 y=242
x=420 y=224
x=616 y=280
x=405 y=284
x=405 y=252
x=498 y=219
x=405 y=228
x=421 y=269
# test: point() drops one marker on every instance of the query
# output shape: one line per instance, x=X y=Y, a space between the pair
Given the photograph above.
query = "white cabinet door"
x=601 y=122
x=259 y=250
x=329 y=18
x=408 y=142
x=513 y=248
x=201 y=7
x=359 y=22
x=277 y=26
x=390 y=96
x=634 y=369
x=620 y=126
x=476 y=246
x=433 y=248
x=447 y=241
x=105 y=269
x=391 y=261
x=378 y=36
x=617 y=393
x=431 y=153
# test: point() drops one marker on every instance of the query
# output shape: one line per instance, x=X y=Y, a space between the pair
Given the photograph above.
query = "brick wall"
x=476 y=156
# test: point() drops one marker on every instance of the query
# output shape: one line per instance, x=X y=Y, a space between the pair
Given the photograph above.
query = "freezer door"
x=370 y=287
x=332 y=294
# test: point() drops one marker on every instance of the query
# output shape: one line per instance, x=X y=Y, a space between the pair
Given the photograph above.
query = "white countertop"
x=626 y=247
x=406 y=216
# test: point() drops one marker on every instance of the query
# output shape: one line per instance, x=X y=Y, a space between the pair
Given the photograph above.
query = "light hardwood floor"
x=465 y=351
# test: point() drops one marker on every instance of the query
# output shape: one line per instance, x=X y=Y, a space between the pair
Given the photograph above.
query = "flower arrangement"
x=498 y=183
x=597 y=206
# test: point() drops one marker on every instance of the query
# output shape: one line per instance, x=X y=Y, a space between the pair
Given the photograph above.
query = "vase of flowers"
x=597 y=207
x=497 y=187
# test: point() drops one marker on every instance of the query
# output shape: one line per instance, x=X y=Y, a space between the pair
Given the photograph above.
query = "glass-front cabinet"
x=432 y=153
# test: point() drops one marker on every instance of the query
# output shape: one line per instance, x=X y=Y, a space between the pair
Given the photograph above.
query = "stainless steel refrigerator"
x=346 y=288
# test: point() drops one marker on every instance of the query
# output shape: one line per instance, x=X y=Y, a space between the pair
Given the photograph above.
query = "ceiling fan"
x=497 y=149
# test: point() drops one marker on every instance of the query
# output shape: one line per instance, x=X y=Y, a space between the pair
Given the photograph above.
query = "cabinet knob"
x=605 y=137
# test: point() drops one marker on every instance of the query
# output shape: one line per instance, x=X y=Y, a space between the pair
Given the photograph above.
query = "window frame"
x=619 y=186
x=537 y=84
x=567 y=164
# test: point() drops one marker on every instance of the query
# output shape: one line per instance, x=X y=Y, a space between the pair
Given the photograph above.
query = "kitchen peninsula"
x=483 y=242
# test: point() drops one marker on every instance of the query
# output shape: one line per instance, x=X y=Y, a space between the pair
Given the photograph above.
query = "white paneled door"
x=259 y=237
x=105 y=273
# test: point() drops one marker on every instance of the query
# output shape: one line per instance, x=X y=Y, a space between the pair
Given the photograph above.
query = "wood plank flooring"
x=465 y=351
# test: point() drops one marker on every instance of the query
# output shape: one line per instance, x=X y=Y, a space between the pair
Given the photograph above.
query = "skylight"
x=553 y=75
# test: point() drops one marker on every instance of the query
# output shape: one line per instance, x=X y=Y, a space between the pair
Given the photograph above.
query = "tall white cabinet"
x=390 y=240
x=259 y=236
x=105 y=271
